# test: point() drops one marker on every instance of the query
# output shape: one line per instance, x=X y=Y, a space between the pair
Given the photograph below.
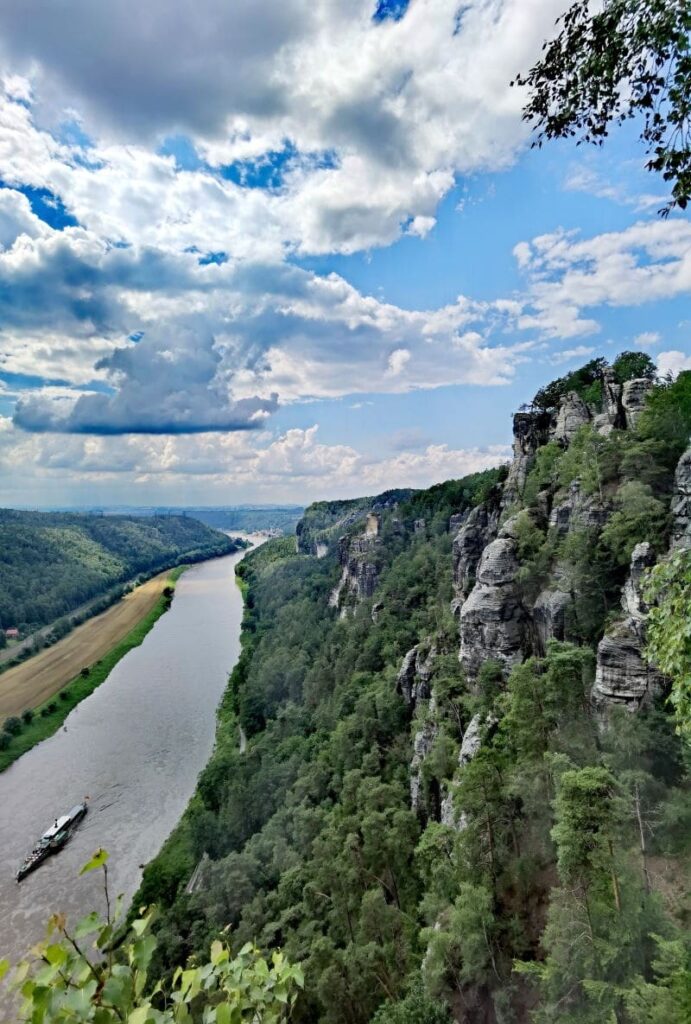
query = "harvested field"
x=38 y=678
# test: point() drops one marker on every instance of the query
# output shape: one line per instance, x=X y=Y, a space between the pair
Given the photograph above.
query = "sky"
x=270 y=252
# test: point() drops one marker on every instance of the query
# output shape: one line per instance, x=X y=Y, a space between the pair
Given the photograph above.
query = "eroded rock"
x=492 y=619
x=573 y=414
x=623 y=676
x=530 y=431
x=681 y=503
x=415 y=673
x=633 y=399
x=479 y=528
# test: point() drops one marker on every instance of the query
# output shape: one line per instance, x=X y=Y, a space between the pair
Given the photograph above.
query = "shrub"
x=13 y=726
x=64 y=694
x=5 y=740
x=27 y=716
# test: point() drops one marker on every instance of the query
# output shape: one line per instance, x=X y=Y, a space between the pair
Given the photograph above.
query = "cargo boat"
x=53 y=839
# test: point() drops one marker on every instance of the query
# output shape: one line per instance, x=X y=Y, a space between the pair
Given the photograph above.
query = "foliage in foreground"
x=668 y=593
x=627 y=59
x=73 y=975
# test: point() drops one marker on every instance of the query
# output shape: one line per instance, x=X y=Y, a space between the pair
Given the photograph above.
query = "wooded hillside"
x=51 y=562
x=464 y=795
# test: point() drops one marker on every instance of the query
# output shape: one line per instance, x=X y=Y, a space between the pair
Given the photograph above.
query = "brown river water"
x=135 y=747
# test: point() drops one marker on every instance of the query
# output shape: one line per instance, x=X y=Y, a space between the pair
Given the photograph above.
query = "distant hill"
x=52 y=562
x=244 y=518
x=249 y=519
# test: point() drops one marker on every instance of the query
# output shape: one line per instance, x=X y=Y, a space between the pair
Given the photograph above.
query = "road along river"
x=135 y=747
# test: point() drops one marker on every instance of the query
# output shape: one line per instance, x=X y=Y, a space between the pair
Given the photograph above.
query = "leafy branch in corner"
x=631 y=59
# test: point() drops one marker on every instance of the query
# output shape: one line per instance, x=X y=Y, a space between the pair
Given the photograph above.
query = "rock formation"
x=414 y=675
x=423 y=742
x=633 y=398
x=530 y=431
x=681 y=503
x=623 y=676
x=612 y=416
x=579 y=511
x=573 y=414
x=472 y=741
x=492 y=619
x=479 y=528
x=359 y=572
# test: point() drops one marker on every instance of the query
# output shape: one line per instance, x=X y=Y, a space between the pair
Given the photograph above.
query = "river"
x=135 y=747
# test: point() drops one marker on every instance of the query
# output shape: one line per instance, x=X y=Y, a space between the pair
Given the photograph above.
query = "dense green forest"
x=472 y=842
x=52 y=562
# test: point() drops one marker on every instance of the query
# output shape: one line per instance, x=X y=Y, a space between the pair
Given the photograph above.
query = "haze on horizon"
x=261 y=253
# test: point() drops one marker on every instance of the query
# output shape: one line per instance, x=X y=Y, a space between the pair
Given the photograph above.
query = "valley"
x=134 y=747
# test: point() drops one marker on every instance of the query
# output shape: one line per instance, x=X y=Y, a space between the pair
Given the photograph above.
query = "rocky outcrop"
x=492 y=619
x=472 y=741
x=623 y=676
x=414 y=675
x=633 y=398
x=612 y=416
x=573 y=414
x=549 y=617
x=413 y=683
x=456 y=521
x=419 y=526
x=530 y=431
x=579 y=511
x=681 y=503
x=359 y=572
x=479 y=528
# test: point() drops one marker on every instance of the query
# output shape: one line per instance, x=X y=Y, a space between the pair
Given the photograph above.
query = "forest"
x=52 y=562
x=480 y=841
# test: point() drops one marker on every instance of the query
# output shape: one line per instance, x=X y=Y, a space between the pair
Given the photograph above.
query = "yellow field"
x=38 y=678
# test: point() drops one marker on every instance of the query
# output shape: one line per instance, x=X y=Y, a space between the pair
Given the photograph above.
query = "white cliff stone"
x=413 y=681
x=633 y=399
x=623 y=676
x=492 y=619
x=477 y=531
x=573 y=414
x=422 y=747
x=549 y=617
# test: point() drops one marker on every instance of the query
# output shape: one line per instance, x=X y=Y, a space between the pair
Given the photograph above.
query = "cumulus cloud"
x=673 y=362
x=649 y=261
x=646 y=339
x=398 y=107
x=294 y=466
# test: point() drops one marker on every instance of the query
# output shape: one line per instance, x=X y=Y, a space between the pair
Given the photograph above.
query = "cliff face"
x=496 y=620
x=416 y=683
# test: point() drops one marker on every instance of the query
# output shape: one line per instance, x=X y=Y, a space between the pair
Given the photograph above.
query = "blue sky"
x=321 y=260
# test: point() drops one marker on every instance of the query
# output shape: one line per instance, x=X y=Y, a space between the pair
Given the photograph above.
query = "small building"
x=11 y=633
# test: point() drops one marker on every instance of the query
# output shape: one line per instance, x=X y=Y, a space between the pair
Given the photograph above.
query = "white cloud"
x=294 y=466
x=647 y=339
x=570 y=354
x=646 y=262
x=673 y=362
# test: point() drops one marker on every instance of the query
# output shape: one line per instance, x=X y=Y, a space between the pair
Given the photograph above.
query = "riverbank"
x=53 y=682
x=135 y=747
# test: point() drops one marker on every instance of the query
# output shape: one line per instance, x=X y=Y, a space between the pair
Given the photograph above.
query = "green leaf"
x=223 y=1014
x=97 y=861
x=4 y=968
x=91 y=923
